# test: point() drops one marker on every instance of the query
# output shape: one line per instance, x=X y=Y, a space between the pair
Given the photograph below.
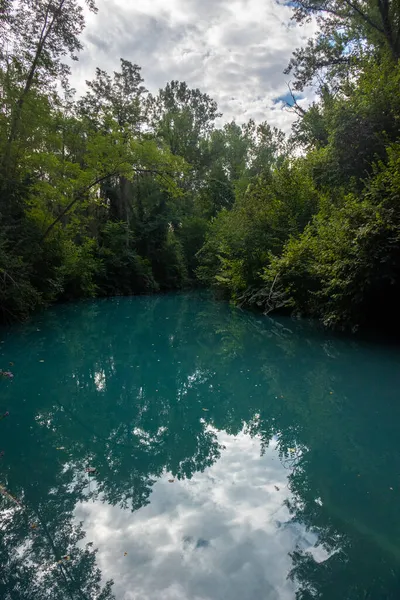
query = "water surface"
x=237 y=457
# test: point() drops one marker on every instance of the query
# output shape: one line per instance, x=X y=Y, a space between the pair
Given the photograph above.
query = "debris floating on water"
x=276 y=487
x=6 y=374
x=4 y=415
x=205 y=409
x=91 y=470
x=171 y=480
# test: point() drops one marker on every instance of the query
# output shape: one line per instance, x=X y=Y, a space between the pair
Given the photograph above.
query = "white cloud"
x=235 y=51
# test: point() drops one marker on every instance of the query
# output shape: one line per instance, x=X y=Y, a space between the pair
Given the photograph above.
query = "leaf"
x=205 y=409
x=171 y=480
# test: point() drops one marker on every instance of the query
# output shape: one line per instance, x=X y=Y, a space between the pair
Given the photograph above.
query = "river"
x=187 y=450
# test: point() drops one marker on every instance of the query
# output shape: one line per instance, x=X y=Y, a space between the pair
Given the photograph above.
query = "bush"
x=345 y=267
x=240 y=242
x=78 y=269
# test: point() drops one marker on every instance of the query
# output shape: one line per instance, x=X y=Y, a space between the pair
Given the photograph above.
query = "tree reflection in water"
x=123 y=386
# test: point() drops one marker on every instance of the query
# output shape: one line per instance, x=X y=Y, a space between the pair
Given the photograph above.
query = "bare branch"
x=295 y=106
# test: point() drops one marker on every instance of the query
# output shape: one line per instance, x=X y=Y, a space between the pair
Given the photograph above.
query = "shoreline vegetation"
x=124 y=192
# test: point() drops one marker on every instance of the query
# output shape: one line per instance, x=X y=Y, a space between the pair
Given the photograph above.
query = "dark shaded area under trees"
x=124 y=192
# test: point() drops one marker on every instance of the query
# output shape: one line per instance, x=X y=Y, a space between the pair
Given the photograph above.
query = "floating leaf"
x=125 y=554
x=205 y=409
x=292 y=449
x=276 y=487
x=11 y=364
x=33 y=526
x=60 y=448
x=171 y=480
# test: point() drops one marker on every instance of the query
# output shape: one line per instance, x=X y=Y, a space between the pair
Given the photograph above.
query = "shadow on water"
x=141 y=387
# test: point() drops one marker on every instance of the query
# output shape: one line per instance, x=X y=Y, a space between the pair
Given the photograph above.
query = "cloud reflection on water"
x=221 y=534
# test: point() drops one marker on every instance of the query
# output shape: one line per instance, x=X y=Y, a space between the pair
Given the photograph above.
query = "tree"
x=119 y=98
x=183 y=118
x=349 y=30
x=39 y=33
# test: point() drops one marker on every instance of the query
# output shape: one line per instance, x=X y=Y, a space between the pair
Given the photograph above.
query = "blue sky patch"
x=287 y=98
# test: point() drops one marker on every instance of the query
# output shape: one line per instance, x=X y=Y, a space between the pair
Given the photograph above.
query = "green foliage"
x=122 y=271
x=240 y=241
x=18 y=297
x=191 y=234
x=346 y=264
x=169 y=264
x=346 y=134
x=78 y=269
x=349 y=31
x=124 y=192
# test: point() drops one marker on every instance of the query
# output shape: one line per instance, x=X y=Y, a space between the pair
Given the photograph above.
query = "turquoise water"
x=236 y=457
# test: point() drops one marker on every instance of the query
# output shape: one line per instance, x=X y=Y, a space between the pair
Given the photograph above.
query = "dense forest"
x=121 y=191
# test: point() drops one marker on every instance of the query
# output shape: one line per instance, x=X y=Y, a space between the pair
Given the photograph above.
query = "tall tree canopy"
x=349 y=31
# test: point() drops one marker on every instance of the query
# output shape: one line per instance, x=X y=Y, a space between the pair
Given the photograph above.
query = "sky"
x=234 y=50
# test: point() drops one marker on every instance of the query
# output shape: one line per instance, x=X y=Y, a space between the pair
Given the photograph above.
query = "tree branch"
x=87 y=188
x=364 y=16
x=295 y=106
